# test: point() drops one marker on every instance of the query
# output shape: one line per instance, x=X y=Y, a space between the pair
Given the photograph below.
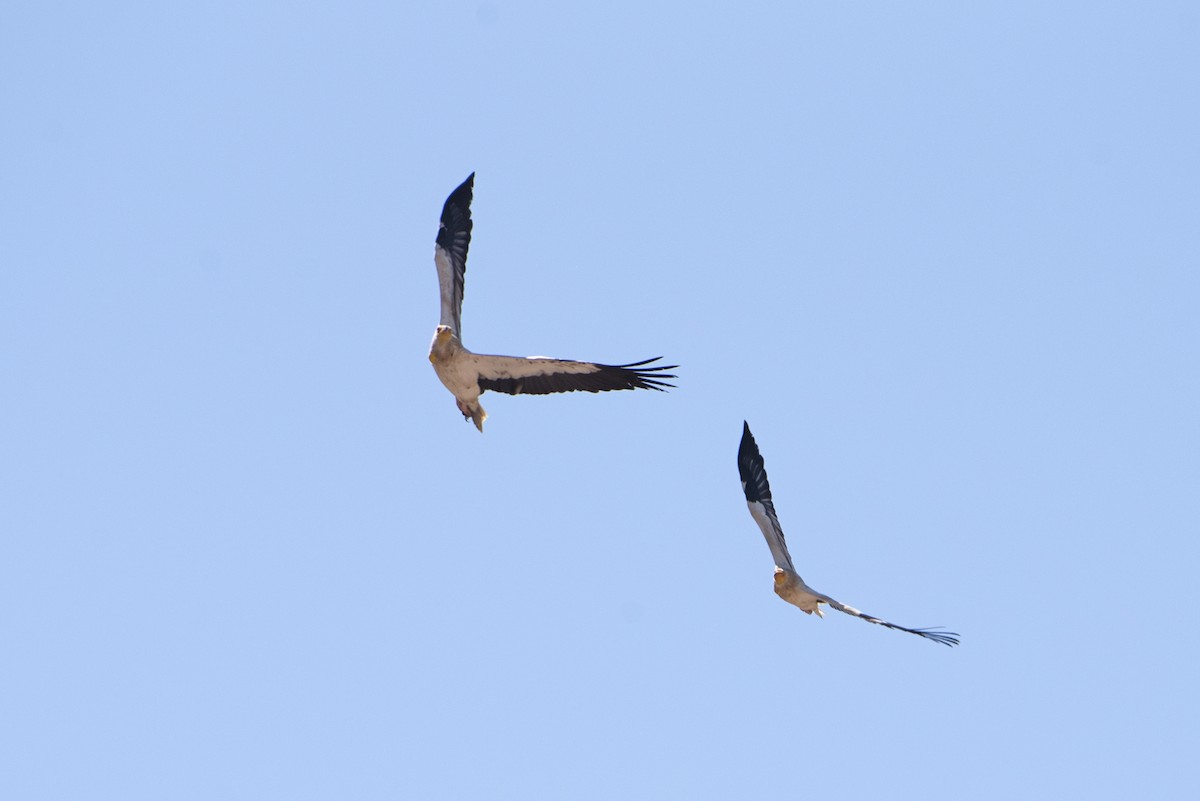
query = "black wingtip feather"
x=751 y=468
x=456 y=219
x=646 y=377
x=946 y=638
x=462 y=194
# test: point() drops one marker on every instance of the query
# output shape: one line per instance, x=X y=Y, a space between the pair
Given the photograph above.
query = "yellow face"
x=441 y=342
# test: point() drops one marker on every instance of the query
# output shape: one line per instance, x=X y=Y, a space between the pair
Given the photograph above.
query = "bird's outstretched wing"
x=758 y=497
x=949 y=638
x=538 y=375
x=450 y=252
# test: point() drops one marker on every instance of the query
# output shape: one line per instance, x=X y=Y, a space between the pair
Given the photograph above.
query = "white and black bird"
x=467 y=375
x=788 y=584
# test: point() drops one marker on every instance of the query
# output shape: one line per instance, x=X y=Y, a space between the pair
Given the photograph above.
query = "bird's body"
x=788 y=584
x=458 y=372
x=468 y=375
x=791 y=588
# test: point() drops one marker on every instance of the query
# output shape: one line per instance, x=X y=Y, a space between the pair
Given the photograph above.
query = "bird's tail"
x=472 y=411
x=478 y=415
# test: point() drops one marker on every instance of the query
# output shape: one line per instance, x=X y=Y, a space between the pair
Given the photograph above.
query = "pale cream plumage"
x=467 y=375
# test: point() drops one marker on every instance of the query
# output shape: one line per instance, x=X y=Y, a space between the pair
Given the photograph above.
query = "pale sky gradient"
x=942 y=256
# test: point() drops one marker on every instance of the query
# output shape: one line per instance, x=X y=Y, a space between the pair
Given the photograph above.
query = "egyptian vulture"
x=788 y=584
x=467 y=375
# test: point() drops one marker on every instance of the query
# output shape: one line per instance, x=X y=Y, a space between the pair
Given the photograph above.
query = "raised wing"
x=450 y=252
x=753 y=472
x=540 y=376
x=948 y=638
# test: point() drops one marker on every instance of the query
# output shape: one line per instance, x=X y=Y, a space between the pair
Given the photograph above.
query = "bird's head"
x=786 y=582
x=783 y=586
x=441 y=348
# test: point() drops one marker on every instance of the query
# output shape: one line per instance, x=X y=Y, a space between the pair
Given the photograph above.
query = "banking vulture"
x=467 y=375
x=788 y=584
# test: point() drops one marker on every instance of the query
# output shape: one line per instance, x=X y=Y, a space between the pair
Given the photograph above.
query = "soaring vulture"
x=467 y=375
x=788 y=584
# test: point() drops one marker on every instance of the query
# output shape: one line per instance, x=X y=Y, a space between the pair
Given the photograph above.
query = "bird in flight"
x=788 y=584
x=467 y=375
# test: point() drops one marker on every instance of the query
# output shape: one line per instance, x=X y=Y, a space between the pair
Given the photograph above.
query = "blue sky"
x=943 y=258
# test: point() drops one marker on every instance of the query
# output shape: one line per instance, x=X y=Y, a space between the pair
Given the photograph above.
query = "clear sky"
x=942 y=256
